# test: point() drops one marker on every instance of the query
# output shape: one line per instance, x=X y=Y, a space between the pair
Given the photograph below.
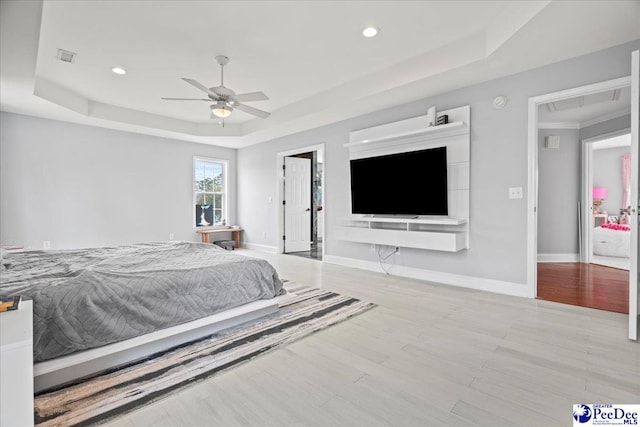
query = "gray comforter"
x=92 y=297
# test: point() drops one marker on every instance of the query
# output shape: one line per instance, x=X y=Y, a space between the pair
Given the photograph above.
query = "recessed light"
x=119 y=70
x=370 y=32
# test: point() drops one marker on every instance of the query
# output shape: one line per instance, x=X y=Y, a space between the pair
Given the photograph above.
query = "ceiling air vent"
x=66 y=56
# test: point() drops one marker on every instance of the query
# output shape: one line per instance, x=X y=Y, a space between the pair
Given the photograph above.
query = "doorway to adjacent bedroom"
x=583 y=207
x=606 y=179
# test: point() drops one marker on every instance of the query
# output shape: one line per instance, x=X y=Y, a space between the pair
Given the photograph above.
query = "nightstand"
x=16 y=365
x=599 y=219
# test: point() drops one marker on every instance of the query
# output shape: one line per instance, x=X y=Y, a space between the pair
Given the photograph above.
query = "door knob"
x=307 y=210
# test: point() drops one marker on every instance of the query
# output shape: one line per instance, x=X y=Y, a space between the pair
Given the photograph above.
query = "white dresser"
x=16 y=366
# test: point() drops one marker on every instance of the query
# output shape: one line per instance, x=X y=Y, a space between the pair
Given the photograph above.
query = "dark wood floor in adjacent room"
x=584 y=285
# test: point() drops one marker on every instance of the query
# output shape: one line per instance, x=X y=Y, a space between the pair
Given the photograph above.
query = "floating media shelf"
x=407 y=233
x=419 y=220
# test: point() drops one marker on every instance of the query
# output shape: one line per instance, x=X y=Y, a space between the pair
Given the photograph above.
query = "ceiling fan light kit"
x=221 y=110
x=225 y=99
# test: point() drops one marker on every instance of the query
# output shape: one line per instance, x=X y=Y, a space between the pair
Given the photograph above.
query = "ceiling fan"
x=225 y=99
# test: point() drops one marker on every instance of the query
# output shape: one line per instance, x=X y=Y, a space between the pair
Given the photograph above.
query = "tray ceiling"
x=309 y=57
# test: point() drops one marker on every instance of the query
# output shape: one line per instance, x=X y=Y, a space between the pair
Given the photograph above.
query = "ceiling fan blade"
x=186 y=99
x=251 y=96
x=201 y=87
x=251 y=110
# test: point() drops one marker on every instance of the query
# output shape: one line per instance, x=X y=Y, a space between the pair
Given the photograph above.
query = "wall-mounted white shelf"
x=405 y=129
x=407 y=232
x=439 y=220
x=437 y=233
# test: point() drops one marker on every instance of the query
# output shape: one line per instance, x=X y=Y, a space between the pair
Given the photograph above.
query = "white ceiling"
x=307 y=56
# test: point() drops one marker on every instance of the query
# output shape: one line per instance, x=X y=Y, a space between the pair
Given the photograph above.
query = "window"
x=210 y=191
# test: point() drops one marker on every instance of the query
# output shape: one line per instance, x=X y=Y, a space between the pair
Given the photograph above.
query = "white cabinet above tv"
x=445 y=233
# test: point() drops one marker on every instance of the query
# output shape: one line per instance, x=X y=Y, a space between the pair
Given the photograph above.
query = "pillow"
x=613 y=219
x=619 y=227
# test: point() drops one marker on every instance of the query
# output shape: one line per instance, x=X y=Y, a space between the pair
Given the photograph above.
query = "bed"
x=611 y=240
x=93 y=299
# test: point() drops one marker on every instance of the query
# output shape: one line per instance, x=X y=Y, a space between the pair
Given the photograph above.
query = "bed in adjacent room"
x=92 y=299
x=611 y=240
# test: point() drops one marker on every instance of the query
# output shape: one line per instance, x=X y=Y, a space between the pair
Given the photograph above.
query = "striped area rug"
x=114 y=393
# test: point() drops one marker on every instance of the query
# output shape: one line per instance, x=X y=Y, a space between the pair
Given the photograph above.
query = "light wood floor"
x=429 y=355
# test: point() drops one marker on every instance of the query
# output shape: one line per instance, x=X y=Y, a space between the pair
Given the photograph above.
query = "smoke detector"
x=66 y=56
x=499 y=102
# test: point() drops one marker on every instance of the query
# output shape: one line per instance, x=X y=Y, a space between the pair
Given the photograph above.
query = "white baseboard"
x=558 y=257
x=479 y=283
x=620 y=263
x=260 y=248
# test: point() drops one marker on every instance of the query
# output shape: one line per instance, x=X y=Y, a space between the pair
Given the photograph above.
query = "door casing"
x=532 y=166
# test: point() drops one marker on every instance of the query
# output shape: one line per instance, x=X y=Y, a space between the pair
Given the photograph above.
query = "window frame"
x=225 y=193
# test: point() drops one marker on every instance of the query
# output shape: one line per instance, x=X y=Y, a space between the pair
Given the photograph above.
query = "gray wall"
x=82 y=186
x=498 y=161
x=559 y=183
x=607 y=172
x=602 y=128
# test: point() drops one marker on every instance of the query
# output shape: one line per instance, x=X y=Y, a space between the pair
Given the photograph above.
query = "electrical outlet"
x=397 y=250
x=270 y=199
x=515 y=193
x=373 y=247
x=46 y=244
x=171 y=236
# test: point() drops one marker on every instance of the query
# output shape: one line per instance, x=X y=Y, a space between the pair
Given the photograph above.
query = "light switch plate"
x=515 y=193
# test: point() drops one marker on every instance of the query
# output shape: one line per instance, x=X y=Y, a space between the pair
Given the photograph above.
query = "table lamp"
x=599 y=194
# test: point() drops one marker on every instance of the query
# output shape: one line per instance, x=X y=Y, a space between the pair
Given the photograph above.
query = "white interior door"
x=634 y=302
x=297 y=206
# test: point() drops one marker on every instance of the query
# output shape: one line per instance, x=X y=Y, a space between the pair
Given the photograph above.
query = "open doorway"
x=575 y=163
x=301 y=195
x=606 y=188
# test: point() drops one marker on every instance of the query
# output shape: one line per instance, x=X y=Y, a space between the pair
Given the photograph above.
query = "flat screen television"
x=406 y=184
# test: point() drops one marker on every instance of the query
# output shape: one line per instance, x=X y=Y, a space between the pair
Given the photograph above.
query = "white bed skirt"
x=612 y=243
x=74 y=366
